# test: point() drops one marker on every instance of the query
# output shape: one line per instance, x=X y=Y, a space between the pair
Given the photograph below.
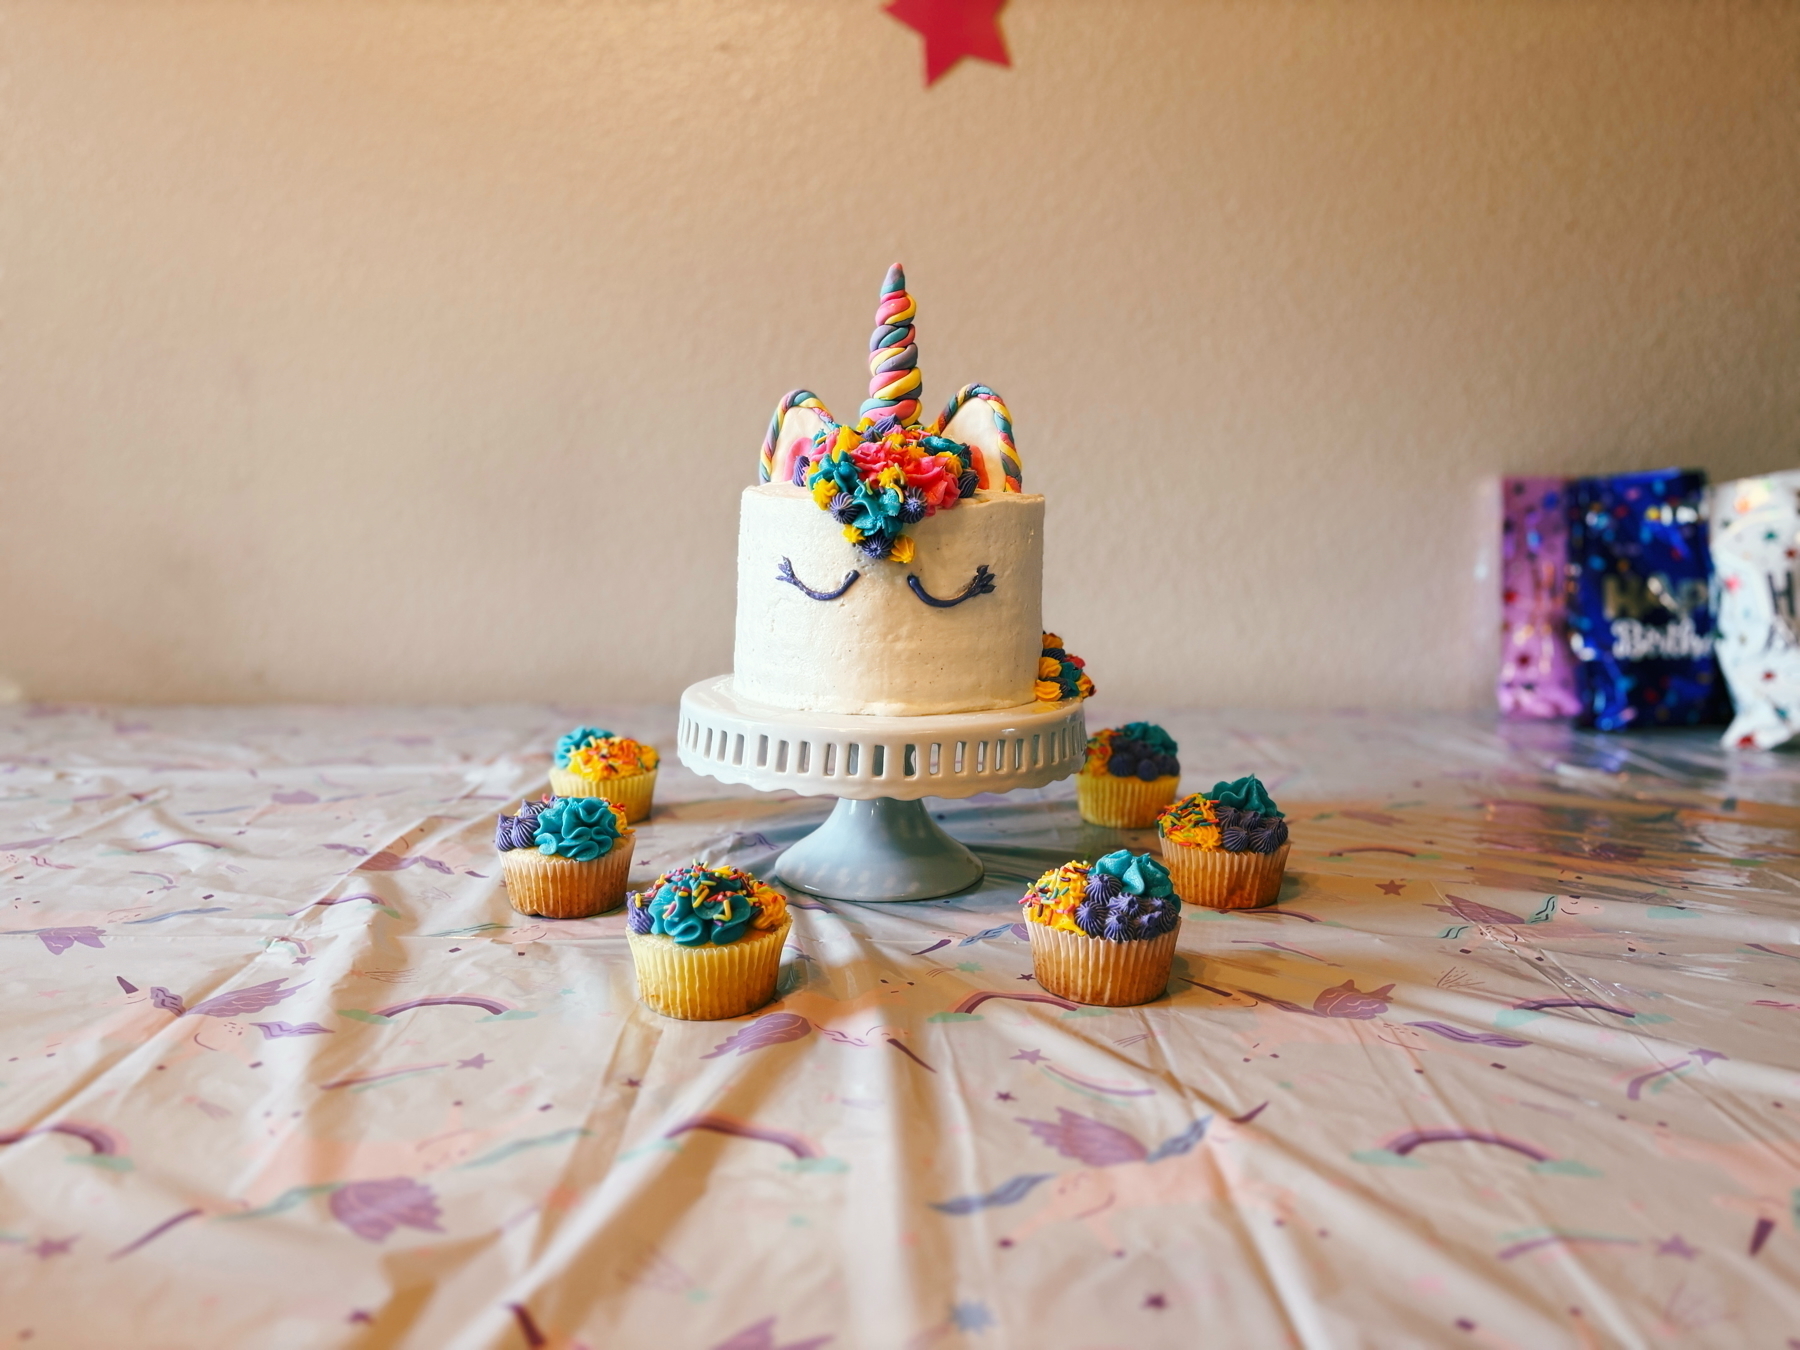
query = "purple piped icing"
x=1102 y=887
x=1269 y=836
x=1244 y=831
x=639 y=919
x=520 y=831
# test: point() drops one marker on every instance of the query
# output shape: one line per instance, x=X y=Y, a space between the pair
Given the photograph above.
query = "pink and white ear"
x=978 y=419
x=798 y=418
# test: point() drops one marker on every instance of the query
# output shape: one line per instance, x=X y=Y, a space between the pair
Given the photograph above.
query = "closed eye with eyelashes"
x=982 y=583
x=785 y=572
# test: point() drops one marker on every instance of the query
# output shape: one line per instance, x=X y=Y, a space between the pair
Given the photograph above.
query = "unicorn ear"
x=798 y=418
x=978 y=419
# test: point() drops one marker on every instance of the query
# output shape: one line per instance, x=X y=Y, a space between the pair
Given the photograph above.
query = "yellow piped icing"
x=1052 y=898
x=1061 y=674
x=612 y=757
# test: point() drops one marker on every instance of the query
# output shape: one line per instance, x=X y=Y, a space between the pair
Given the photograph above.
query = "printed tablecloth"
x=1512 y=1064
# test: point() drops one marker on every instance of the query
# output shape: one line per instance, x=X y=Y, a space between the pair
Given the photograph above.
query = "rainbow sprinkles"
x=888 y=471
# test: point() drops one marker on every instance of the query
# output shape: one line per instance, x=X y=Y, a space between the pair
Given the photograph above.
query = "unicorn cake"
x=891 y=568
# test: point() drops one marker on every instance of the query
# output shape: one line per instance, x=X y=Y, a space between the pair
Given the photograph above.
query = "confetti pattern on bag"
x=1755 y=536
x=1640 y=614
x=1537 y=671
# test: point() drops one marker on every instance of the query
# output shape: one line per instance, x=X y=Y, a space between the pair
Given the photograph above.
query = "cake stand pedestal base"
x=879 y=849
x=879 y=843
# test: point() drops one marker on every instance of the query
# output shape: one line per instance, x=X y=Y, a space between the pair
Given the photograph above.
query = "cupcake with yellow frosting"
x=1104 y=933
x=706 y=942
x=1227 y=848
x=591 y=762
x=1129 y=776
x=565 y=857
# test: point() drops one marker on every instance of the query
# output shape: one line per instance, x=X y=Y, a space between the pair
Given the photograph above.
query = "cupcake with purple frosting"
x=565 y=857
x=1104 y=933
x=1227 y=848
x=1129 y=776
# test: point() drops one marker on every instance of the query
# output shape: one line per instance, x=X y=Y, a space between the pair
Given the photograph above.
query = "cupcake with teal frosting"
x=706 y=942
x=593 y=762
x=1227 y=848
x=1104 y=933
x=565 y=857
x=1130 y=774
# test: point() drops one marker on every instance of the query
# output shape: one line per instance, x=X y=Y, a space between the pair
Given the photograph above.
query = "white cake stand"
x=879 y=843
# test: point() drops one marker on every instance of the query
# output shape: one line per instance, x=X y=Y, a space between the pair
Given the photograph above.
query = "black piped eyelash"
x=981 y=584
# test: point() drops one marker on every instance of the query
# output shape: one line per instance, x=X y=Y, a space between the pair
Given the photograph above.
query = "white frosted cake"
x=890 y=569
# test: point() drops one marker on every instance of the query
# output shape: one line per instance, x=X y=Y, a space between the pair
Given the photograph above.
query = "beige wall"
x=418 y=351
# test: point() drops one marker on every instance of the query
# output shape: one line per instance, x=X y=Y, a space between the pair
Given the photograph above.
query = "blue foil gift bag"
x=1640 y=612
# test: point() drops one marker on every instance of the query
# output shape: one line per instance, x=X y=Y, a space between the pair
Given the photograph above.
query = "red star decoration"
x=1390 y=887
x=953 y=29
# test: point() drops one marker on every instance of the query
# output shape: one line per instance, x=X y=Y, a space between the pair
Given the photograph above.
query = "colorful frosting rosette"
x=706 y=942
x=591 y=762
x=1227 y=848
x=1130 y=775
x=565 y=857
x=1061 y=674
x=1104 y=934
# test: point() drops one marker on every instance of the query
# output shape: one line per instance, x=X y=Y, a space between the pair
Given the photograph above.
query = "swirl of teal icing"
x=876 y=512
x=1137 y=873
x=1148 y=733
x=1246 y=794
x=721 y=918
x=577 y=738
x=582 y=828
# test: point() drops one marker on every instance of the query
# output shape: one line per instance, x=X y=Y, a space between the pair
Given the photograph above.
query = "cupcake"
x=1104 y=934
x=565 y=857
x=1227 y=848
x=706 y=942
x=1130 y=775
x=591 y=762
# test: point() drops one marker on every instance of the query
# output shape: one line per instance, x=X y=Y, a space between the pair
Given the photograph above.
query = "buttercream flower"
x=935 y=480
x=1060 y=675
x=881 y=476
x=697 y=905
x=612 y=757
x=519 y=831
x=582 y=828
x=1054 y=897
x=1123 y=897
x=1246 y=793
x=1237 y=817
x=575 y=740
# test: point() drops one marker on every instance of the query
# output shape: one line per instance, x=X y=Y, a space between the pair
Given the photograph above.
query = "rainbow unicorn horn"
x=894 y=380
